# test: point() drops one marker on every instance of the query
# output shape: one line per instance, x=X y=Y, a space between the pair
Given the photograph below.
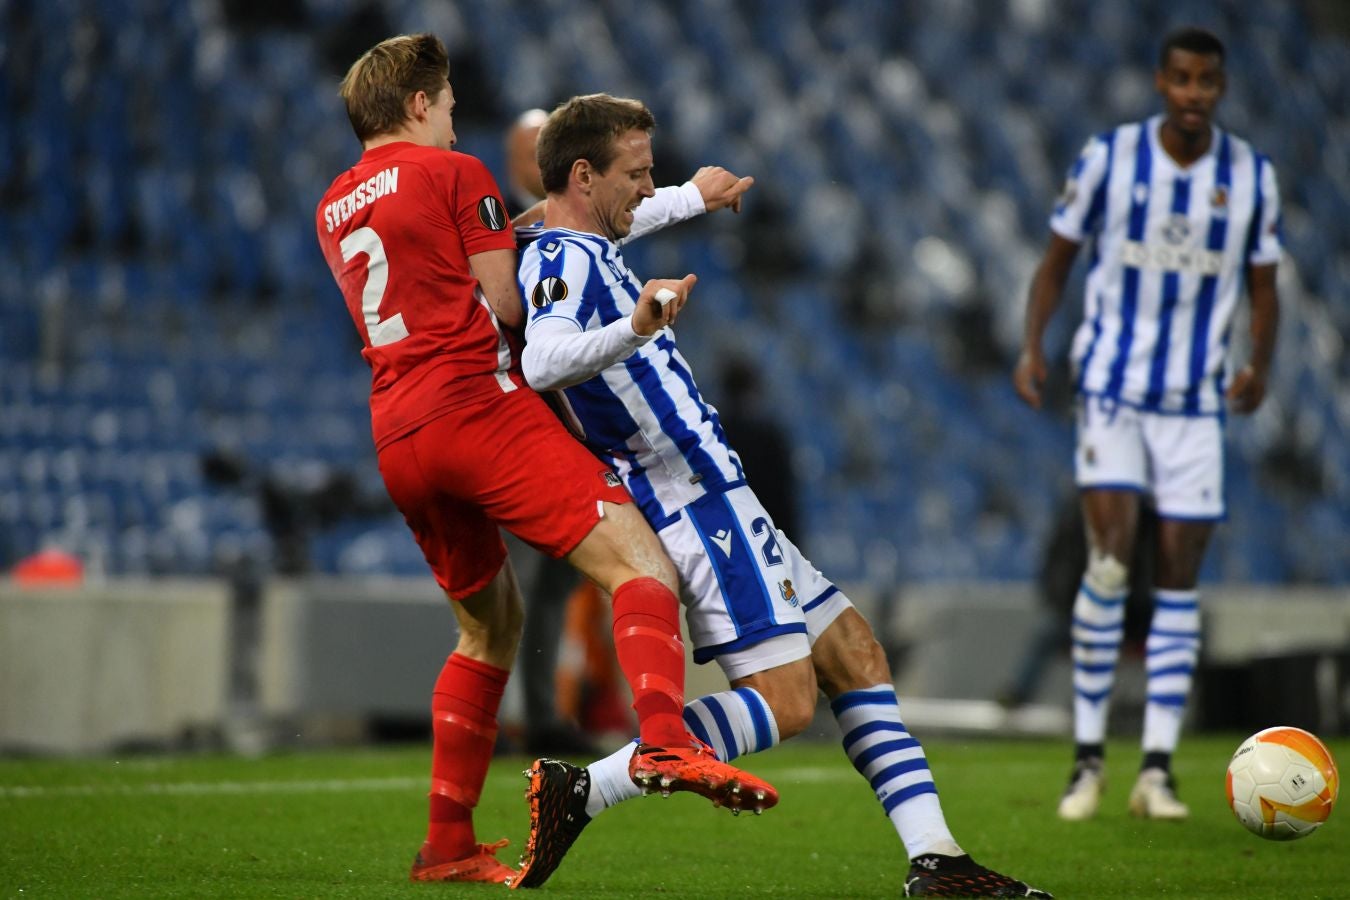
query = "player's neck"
x=1185 y=147
x=571 y=212
x=404 y=135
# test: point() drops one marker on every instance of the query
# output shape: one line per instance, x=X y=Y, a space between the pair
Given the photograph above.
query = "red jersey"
x=397 y=230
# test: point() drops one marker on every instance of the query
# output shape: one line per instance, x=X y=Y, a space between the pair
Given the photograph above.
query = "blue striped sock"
x=733 y=723
x=893 y=762
x=1098 y=629
x=1173 y=649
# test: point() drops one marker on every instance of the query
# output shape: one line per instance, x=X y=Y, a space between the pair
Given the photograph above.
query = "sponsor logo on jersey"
x=491 y=214
x=723 y=540
x=1161 y=257
x=548 y=292
x=788 y=592
x=1177 y=229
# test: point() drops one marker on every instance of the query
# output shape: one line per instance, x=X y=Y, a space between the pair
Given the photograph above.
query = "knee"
x=1106 y=574
x=791 y=693
x=793 y=713
x=848 y=656
x=493 y=638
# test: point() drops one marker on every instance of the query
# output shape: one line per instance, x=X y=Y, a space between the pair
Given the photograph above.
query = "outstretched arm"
x=712 y=188
x=1047 y=288
x=1249 y=384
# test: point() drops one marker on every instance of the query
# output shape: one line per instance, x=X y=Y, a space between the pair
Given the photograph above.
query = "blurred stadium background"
x=182 y=407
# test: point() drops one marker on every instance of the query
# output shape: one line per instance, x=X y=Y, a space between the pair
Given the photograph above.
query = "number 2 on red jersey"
x=379 y=332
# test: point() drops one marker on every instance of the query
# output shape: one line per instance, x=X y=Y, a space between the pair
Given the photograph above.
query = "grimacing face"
x=1191 y=85
x=617 y=191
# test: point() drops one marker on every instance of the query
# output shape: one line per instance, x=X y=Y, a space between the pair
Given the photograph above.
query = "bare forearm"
x=1265 y=325
x=1047 y=288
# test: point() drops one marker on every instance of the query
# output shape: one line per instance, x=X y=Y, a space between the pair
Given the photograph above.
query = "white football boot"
x=1084 y=793
x=1154 y=797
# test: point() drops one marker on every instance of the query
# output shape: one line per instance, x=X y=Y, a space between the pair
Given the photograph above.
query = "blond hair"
x=377 y=86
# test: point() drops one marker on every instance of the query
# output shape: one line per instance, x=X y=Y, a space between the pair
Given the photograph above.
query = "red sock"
x=464 y=727
x=651 y=654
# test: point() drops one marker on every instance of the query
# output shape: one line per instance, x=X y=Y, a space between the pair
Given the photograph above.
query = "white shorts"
x=1175 y=461
x=752 y=601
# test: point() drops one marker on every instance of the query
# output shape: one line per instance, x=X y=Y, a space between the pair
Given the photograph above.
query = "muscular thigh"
x=515 y=462
x=507 y=462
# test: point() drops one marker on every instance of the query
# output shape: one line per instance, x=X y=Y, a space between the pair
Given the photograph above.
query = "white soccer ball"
x=1282 y=783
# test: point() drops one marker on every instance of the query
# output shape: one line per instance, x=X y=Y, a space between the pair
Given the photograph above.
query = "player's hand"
x=720 y=188
x=1247 y=390
x=651 y=315
x=1029 y=377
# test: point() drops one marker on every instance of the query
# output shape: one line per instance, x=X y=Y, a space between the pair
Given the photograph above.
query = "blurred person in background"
x=777 y=627
x=418 y=240
x=1178 y=214
x=522 y=165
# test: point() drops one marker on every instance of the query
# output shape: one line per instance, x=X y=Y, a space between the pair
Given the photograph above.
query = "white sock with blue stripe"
x=733 y=723
x=1173 y=649
x=893 y=762
x=1098 y=629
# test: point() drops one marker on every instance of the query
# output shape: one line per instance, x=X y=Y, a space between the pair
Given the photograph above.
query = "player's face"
x=617 y=191
x=440 y=117
x=1191 y=85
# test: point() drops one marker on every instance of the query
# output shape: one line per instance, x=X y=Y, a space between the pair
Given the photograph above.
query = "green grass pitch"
x=346 y=824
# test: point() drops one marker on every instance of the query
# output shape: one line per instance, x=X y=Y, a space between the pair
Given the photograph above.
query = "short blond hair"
x=377 y=86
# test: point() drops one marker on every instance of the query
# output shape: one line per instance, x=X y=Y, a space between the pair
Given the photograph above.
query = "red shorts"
x=507 y=462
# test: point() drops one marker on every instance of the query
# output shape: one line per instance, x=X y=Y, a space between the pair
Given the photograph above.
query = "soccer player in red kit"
x=419 y=242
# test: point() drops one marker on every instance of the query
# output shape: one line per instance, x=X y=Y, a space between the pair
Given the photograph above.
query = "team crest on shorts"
x=788 y=592
x=491 y=214
x=613 y=480
x=1090 y=455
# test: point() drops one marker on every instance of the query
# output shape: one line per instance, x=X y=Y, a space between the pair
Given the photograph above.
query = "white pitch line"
x=817 y=774
x=205 y=788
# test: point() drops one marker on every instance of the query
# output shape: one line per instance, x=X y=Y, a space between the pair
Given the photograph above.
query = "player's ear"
x=416 y=105
x=582 y=174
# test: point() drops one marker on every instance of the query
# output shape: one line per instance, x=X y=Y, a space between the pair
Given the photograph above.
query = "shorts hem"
x=745 y=641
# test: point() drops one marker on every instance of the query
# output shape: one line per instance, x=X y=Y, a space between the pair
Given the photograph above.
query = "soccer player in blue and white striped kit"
x=1178 y=214
x=778 y=628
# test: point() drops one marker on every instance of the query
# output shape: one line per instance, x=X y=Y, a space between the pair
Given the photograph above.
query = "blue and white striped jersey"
x=1169 y=247
x=644 y=414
